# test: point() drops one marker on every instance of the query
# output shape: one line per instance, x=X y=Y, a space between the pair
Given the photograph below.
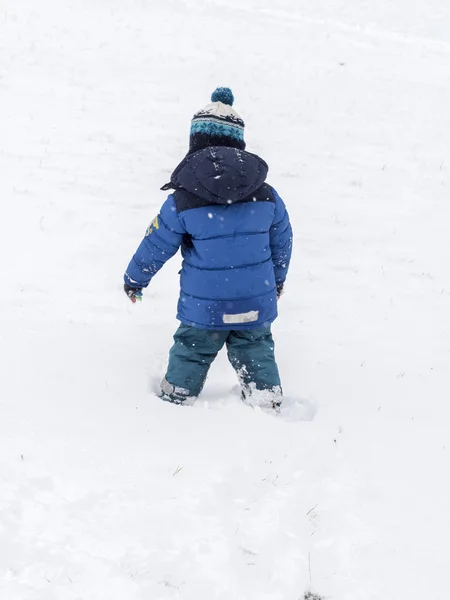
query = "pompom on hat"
x=218 y=124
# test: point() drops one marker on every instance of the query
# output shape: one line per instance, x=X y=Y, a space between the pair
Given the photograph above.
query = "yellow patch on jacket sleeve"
x=153 y=225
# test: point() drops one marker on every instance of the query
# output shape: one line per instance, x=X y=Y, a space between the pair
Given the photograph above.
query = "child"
x=236 y=242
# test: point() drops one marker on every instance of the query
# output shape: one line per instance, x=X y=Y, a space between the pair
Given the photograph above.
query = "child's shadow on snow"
x=298 y=409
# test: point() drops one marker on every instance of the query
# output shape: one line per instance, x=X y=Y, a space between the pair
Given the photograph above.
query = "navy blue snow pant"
x=250 y=352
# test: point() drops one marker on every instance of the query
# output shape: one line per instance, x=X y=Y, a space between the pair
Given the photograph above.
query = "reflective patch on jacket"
x=248 y=317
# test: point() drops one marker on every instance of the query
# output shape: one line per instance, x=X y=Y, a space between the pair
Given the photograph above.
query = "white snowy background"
x=106 y=493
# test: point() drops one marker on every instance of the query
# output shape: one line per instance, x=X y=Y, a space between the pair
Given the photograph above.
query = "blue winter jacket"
x=235 y=238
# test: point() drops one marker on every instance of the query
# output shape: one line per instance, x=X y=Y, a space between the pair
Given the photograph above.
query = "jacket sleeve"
x=162 y=241
x=281 y=240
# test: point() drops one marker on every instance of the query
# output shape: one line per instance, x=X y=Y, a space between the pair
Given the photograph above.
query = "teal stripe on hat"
x=214 y=129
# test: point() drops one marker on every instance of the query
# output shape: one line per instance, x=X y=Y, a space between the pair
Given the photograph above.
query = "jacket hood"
x=220 y=174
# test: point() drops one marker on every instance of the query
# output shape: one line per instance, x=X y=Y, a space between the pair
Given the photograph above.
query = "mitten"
x=134 y=294
x=280 y=290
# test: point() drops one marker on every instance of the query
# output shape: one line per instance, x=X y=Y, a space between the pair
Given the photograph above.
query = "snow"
x=107 y=493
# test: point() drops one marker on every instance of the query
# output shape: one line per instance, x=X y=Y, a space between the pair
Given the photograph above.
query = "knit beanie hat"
x=218 y=124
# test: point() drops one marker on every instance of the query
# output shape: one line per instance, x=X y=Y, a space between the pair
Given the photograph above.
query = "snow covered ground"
x=105 y=492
